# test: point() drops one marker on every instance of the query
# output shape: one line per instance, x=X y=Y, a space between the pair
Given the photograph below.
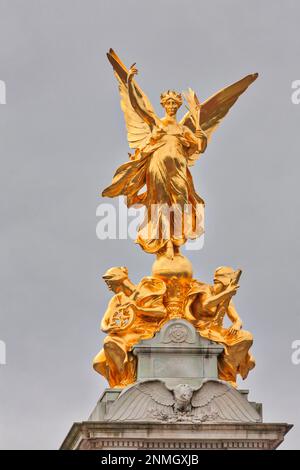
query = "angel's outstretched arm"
x=137 y=100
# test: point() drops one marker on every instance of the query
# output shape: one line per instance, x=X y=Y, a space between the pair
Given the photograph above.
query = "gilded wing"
x=215 y=108
x=138 y=130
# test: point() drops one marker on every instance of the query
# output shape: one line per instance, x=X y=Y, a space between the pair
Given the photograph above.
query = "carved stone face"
x=183 y=393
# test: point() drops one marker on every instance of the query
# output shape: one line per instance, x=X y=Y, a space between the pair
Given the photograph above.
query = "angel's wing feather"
x=122 y=72
x=215 y=108
x=138 y=130
x=117 y=65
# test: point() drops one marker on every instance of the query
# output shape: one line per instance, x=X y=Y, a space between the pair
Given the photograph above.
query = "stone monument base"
x=177 y=402
x=98 y=435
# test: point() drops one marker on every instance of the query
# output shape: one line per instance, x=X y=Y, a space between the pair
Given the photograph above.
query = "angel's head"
x=171 y=101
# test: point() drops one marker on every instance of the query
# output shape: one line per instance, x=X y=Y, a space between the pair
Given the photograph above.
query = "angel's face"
x=171 y=107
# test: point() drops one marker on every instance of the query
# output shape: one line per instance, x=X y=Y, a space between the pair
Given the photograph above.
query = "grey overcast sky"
x=62 y=137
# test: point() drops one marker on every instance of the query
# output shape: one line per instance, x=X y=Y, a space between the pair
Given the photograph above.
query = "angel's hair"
x=171 y=94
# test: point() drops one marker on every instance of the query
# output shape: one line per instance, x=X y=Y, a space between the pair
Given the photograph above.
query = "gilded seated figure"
x=133 y=314
x=206 y=307
x=137 y=312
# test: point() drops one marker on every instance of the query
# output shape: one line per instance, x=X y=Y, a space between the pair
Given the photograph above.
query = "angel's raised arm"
x=134 y=100
x=139 y=100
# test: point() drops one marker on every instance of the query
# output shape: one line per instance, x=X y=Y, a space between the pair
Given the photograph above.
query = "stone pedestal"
x=178 y=354
x=91 y=435
x=176 y=403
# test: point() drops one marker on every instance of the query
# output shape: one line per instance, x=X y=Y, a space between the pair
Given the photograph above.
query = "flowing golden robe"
x=163 y=167
x=164 y=150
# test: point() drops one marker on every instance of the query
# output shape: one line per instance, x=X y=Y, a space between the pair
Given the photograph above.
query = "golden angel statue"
x=164 y=151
